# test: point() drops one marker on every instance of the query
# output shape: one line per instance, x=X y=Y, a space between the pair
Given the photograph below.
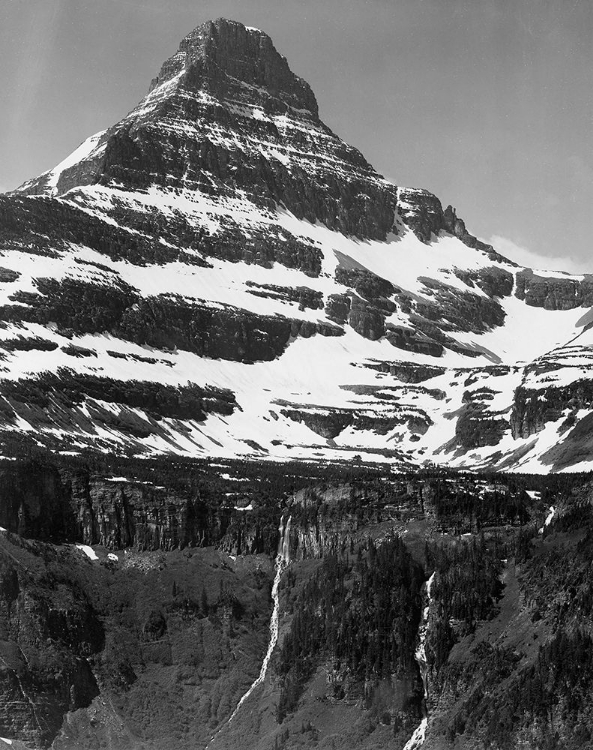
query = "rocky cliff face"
x=226 y=114
x=77 y=505
x=139 y=645
x=559 y=293
x=85 y=644
x=49 y=633
x=60 y=504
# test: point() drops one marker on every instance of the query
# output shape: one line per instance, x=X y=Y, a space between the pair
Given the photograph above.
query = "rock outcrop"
x=554 y=293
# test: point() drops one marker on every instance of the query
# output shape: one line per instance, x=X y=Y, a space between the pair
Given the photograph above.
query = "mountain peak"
x=226 y=116
x=218 y=53
x=291 y=301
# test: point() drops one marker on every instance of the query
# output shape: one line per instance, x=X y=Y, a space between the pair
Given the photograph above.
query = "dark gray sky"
x=487 y=103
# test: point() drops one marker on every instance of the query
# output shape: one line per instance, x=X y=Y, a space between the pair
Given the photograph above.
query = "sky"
x=486 y=103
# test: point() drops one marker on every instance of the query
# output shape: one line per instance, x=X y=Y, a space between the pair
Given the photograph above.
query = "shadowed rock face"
x=533 y=409
x=48 y=632
x=226 y=113
x=221 y=49
x=55 y=505
x=554 y=293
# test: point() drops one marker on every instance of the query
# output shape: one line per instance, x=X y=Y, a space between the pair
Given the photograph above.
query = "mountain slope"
x=220 y=274
x=136 y=615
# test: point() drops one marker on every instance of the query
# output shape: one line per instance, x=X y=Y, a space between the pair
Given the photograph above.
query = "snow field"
x=312 y=372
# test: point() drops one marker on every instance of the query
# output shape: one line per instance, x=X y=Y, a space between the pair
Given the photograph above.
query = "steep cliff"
x=135 y=637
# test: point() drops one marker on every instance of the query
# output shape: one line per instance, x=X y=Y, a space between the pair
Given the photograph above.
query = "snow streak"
x=282 y=560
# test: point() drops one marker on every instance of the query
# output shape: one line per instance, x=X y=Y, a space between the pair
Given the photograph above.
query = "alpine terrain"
x=290 y=459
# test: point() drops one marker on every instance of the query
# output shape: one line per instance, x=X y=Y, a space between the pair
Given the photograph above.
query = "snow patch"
x=88 y=551
x=84 y=151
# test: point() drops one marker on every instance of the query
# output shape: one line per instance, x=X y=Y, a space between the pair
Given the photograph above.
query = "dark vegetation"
x=22 y=344
x=466 y=506
x=535 y=693
x=172 y=641
x=560 y=572
x=7 y=275
x=466 y=589
x=555 y=689
x=354 y=612
x=360 y=613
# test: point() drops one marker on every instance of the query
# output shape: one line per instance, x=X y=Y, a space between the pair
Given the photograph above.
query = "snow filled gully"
x=282 y=560
x=417 y=739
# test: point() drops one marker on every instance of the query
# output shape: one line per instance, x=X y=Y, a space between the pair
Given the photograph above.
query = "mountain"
x=219 y=274
x=241 y=377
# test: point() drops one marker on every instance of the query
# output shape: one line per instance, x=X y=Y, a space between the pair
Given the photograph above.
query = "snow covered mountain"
x=219 y=274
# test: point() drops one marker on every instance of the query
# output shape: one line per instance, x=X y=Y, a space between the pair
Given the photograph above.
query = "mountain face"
x=219 y=274
x=193 y=302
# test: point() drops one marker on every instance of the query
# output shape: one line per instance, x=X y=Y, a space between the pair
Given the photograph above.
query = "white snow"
x=548 y=274
x=87 y=148
x=88 y=551
x=313 y=375
x=535 y=331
